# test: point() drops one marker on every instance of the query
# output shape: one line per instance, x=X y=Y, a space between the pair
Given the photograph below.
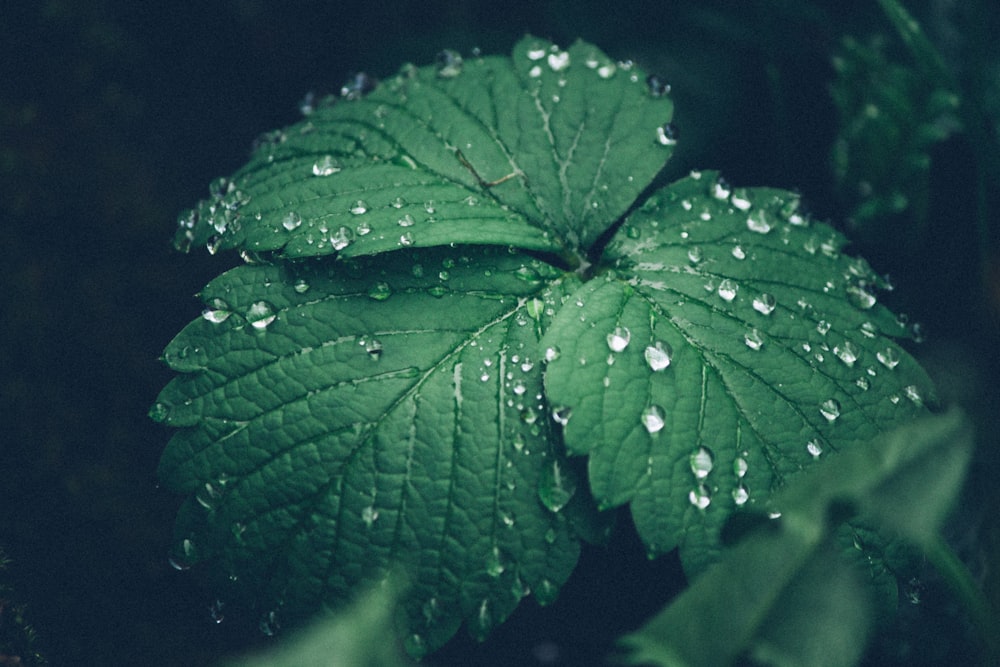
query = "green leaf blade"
x=779 y=355
x=542 y=151
x=352 y=434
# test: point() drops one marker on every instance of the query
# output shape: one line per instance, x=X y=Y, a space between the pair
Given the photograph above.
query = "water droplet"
x=261 y=314
x=301 y=286
x=860 y=297
x=406 y=239
x=552 y=353
x=619 y=339
x=556 y=487
x=741 y=495
x=657 y=86
x=727 y=289
x=888 y=357
x=449 y=64
x=360 y=207
x=913 y=394
x=721 y=189
x=373 y=346
x=291 y=220
x=369 y=515
x=536 y=54
x=823 y=327
x=814 y=448
x=325 y=166
x=694 y=254
x=484 y=621
x=702 y=461
x=658 y=356
x=160 y=412
x=667 y=134
x=380 y=291
x=741 y=199
x=561 y=415
x=494 y=563
x=406 y=221
x=341 y=238
x=753 y=339
x=363 y=228
x=830 y=409
x=757 y=221
x=700 y=497
x=357 y=86
x=738 y=252
x=740 y=467
x=653 y=418
x=846 y=352
x=765 y=304
x=216 y=312
x=558 y=61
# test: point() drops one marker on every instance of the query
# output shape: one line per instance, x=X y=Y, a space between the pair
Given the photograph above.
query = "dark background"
x=115 y=115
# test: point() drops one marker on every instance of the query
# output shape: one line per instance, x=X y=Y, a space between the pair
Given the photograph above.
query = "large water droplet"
x=360 y=207
x=406 y=239
x=727 y=289
x=830 y=409
x=846 y=352
x=702 y=461
x=658 y=356
x=449 y=64
x=291 y=220
x=860 y=297
x=765 y=304
x=558 y=61
x=741 y=495
x=700 y=497
x=888 y=357
x=619 y=339
x=556 y=487
x=341 y=238
x=653 y=418
x=814 y=448
x=757 y=221
x=216 y=312
x=753 y=339
x=667 y=134
x=325 y=166
x=552 y=353
x=261 y=314
x=160 y=412
x=561 y=415
x=380 y=291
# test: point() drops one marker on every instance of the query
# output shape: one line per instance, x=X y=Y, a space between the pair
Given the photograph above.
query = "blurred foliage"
x=18 y=641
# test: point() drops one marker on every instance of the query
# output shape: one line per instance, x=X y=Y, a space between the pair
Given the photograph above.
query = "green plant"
x=463 y=280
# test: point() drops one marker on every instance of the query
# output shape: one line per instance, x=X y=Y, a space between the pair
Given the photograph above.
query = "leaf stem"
x=960 y=581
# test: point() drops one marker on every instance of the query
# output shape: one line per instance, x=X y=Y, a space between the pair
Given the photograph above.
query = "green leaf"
x=733 y=345
x=337 y=420
x=542 y=150
x=782 y=595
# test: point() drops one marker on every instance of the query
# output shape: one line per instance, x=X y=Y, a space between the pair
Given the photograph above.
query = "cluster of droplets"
x=221 y=212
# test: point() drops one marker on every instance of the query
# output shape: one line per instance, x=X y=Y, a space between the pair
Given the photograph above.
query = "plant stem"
x=960 y=581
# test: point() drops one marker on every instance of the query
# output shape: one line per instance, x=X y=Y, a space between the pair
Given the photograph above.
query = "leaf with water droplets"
x=353 y=433
x=539 y=153
x=752 y=356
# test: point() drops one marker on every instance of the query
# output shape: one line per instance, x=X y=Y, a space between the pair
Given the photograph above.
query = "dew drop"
x=552 y=353
x=653 y=418
x=753 y=339
x=360 y=207
x=160 y=412
x=216 y=312
x=406 y=239
x=363 y=229
x=556 y=488
x=561 y=415
x=888 y=357
x=738 y=252
x=694 y=254
x=619 y=339
x=757 y=222
x=702 y=461
x=300 y=286
x=721 y=189
x=558 y=61
x=913 y=394
x=291 y=220
x=860 y=297
x=741 y=495
x=727 y=289
x=823 y=327
x=765 y=304
x=398 y=202
x=373 y=346
x=449 y=64
x=667 y=134
x=494 y=563
x=814 y=449
x=380 y=291
x=341 y=238
x=260 y=315
x=830 y=409
x=657 y=86
x=740 y=467
x=369 y=515
x=658 y=356
x=741 y=199
x=700 y=497
x=846 y=352
x=325 y=166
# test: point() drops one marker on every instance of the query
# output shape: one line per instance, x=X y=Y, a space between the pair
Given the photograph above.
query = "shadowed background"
x=115 y=116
